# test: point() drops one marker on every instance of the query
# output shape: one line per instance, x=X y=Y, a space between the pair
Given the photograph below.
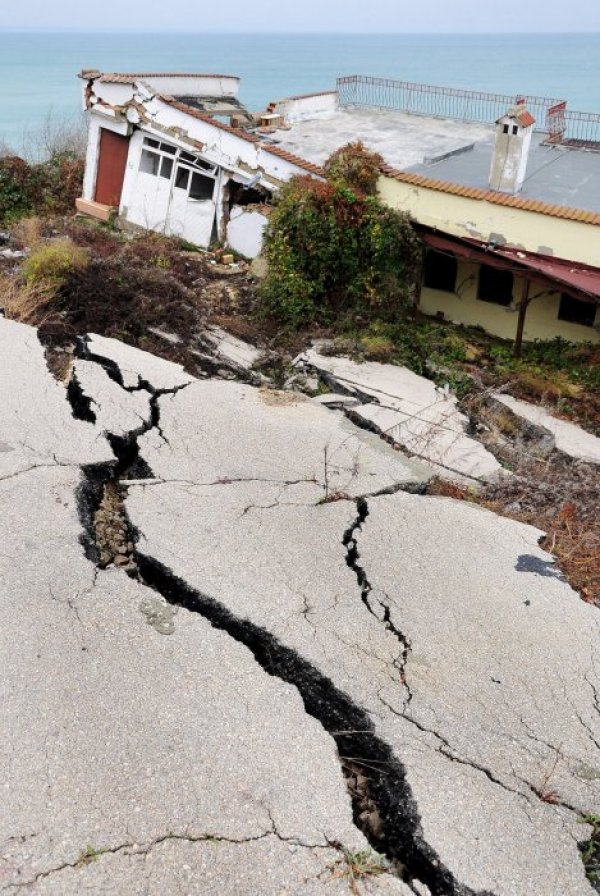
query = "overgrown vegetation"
x=42 y=188
x=590 y=851
x=335 y=251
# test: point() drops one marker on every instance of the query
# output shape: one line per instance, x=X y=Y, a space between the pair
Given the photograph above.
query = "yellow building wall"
x=534 y=232
x=481 y=220
x=541 y=321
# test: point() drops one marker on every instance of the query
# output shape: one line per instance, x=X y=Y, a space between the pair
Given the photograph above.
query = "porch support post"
x=525 y=300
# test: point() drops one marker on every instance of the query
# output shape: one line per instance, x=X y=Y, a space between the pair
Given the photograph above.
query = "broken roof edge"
x=243 y=135
x=577 y=278
x=481 y=194
x=132 y=77
x=304 y=96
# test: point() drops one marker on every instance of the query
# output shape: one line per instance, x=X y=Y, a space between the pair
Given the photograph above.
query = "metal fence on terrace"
x=551 y=115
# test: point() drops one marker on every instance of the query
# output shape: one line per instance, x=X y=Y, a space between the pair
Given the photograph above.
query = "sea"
x=38 y=70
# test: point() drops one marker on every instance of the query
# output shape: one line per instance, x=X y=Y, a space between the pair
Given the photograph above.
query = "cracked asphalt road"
x=209 y=760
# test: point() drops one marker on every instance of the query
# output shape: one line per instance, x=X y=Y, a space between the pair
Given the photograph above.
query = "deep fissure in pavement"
x=350 y=542
x=358 y=747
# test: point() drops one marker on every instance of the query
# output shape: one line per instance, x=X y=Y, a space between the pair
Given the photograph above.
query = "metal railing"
x=582 y=129
x=551 y=115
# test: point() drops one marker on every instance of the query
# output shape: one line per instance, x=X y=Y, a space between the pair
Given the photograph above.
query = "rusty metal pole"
x=525 y=300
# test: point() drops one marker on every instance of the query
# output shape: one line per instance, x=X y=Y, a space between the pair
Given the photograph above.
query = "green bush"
x=52 y=263
x=336 y=251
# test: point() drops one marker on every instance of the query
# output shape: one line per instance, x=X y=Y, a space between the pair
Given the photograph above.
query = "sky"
x=374 y=16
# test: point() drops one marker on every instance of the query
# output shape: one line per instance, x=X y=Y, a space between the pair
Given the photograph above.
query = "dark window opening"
x=182 y=178
x=166 y=168
x=575 y=311
x=515 y=129
x=495 y=285
x=439 y=271
x=149 y=162
x=201 y=187
x=506 y=129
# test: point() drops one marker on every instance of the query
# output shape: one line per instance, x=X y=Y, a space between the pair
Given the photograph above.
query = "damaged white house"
x=504 y=191
x=162 y=155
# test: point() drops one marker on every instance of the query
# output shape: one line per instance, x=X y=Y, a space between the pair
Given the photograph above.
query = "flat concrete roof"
x=556 y=175
x=403 y=140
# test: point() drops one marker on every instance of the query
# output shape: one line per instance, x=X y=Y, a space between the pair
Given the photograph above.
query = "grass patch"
x=357 y=866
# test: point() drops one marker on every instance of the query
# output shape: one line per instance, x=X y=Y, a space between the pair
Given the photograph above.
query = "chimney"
x=511 y=151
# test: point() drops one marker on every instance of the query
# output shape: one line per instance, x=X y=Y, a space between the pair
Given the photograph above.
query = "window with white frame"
x=194 y=175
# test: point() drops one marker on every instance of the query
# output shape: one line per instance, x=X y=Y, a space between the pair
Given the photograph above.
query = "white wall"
x=194 y=85
x=302 y=108
x=245 y=231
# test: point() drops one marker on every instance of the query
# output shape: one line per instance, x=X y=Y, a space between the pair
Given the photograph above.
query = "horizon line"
x=40 y=29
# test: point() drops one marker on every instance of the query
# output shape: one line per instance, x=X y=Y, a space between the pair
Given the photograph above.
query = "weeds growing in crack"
x=357 y=866
x=590 y=851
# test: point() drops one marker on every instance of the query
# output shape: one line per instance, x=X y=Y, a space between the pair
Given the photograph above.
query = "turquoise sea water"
x=38 y=70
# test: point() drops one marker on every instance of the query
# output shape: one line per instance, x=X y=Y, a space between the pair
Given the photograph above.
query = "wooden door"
x=111 y=167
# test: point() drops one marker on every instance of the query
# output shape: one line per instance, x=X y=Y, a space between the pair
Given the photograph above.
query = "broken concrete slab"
x=229 y=431
x=409 y=411
x=568 y=437
x=115 y=410
x=229 y=349
x=135 y=365
x=336 y=401
x=37 y=426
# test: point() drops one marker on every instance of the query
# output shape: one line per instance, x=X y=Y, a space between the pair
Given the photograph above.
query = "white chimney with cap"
x=511 y=151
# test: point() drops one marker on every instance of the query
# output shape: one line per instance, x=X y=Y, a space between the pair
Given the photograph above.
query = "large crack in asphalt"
x=402 y=839
x=377 y=607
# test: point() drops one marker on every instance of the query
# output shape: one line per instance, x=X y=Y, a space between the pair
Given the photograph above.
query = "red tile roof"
x=530 y=205
x=580 y=278
x=525 y=118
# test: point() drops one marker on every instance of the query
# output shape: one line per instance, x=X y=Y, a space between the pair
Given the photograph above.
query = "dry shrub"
x=29 y=232
x=552 y=387
x=98 y=238
x=56 y=135
x=28 y=303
